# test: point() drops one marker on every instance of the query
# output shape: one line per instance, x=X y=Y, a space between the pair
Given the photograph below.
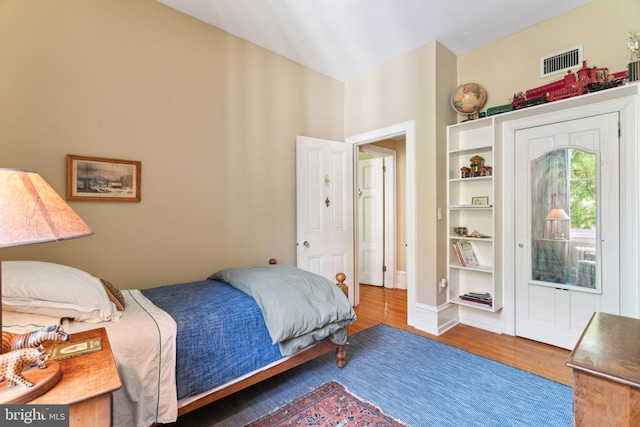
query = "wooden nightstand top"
x=609 y=348
x=84 y=377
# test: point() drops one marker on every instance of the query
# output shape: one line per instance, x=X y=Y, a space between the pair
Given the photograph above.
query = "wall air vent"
x=562 y=61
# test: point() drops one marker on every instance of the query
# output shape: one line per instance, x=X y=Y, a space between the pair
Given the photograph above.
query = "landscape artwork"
x=102 y=179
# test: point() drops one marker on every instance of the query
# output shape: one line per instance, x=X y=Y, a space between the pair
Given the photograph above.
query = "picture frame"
x=480 y=201
x=103 y=179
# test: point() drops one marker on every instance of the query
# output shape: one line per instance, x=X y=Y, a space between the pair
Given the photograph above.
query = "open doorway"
x=406 y=219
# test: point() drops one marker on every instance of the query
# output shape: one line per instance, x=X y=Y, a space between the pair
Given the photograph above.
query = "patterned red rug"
x=327 y=405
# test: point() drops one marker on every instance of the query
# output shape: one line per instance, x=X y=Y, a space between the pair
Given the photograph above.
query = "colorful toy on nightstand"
x=13 y=362
x=12 y=341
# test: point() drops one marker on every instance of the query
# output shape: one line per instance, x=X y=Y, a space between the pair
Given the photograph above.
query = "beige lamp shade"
x=32 y=212
x=557 y=213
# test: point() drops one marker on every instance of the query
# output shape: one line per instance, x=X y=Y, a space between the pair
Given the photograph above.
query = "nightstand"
x=606 y=372
x=86 y=384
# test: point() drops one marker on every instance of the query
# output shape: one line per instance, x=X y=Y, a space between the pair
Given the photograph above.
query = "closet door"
x=567 y=227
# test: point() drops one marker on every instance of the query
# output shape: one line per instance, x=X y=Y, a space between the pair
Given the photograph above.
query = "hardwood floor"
x=389 y=306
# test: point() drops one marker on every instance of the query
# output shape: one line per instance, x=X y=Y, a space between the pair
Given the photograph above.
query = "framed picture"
x=480 y=201
x=100 y=179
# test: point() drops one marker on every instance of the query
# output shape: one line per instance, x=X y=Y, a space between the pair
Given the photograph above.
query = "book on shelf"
x=469 y=256
x=479 y=297
x=65 y=351
x=458 y=252
x=479 y=294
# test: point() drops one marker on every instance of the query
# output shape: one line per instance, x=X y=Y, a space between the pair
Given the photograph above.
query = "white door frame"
x=408 y=130
x=389 y=212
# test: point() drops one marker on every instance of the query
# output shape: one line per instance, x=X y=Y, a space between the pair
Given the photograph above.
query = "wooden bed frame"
x=297 y=359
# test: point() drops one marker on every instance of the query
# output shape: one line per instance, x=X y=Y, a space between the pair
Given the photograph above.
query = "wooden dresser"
x=606 y=372
x=86 y=384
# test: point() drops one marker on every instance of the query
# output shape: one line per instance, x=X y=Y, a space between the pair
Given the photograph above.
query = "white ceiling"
x=346 y=38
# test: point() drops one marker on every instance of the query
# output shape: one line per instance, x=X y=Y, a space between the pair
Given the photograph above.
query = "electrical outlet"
x=443 y=284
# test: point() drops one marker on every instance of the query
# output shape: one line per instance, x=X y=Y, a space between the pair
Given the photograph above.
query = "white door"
x=567 y=227
x=371 y=221
x=324 y=202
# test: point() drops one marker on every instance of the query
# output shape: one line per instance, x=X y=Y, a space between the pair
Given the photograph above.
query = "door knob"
x=520 y=245
x=306 y=244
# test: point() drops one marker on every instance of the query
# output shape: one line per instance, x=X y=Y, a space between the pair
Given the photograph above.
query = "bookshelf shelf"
x=478 y=268
x=471 y=304
x=479 y=239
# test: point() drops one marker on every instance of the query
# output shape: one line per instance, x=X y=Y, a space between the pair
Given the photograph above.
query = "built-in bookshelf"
x=471 y=215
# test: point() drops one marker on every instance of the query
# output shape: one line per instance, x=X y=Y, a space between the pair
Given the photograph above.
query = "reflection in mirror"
x=564 y=218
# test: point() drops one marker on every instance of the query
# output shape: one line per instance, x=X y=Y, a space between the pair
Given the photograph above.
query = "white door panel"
x=324 y=202
x=371 y=221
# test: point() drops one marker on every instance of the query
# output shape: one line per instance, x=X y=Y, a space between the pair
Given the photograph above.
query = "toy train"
x=586 y=80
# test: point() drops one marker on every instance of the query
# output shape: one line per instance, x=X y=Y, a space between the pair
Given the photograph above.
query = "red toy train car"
x=586 y=80
x=573 y=84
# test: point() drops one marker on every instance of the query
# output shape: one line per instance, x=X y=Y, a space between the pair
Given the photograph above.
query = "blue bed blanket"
x=221 y=334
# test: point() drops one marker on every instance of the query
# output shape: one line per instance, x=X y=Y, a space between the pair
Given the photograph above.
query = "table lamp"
x=32 y=212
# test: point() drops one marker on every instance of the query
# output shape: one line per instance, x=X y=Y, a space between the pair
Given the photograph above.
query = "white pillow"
x=55 y=290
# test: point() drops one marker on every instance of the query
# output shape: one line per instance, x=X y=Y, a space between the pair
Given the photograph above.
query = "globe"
x=468 y=98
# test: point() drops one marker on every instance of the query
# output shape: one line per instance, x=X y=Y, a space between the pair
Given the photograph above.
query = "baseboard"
x=401 y=280
x=486 y=320
x=438 y=320
x=435 y=320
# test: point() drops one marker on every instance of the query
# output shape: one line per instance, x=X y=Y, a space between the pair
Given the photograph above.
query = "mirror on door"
x=564 y=219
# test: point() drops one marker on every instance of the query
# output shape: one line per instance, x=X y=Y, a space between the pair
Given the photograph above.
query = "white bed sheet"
x=143 y=342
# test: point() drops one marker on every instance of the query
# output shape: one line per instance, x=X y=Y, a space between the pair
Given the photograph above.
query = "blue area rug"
x=413 y=379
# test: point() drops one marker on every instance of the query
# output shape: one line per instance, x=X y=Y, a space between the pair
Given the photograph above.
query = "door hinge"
x=384 y=169
x=384 y=268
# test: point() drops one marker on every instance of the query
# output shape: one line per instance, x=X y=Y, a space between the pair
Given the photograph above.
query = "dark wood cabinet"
x=606 y=372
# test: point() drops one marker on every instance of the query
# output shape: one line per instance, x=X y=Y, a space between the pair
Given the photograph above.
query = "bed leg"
x=341 y=354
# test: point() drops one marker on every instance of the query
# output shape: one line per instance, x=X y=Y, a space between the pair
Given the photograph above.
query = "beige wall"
x=412 y=87
x=512 y=64
x=212 y=118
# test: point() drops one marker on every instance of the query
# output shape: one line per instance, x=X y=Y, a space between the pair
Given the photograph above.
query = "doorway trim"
x=408 y=130
x=389 y=274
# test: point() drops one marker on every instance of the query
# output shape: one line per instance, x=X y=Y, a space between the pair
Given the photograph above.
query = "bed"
x=179 y=347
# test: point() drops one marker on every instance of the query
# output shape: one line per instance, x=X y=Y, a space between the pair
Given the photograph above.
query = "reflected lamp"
x=557 y=224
